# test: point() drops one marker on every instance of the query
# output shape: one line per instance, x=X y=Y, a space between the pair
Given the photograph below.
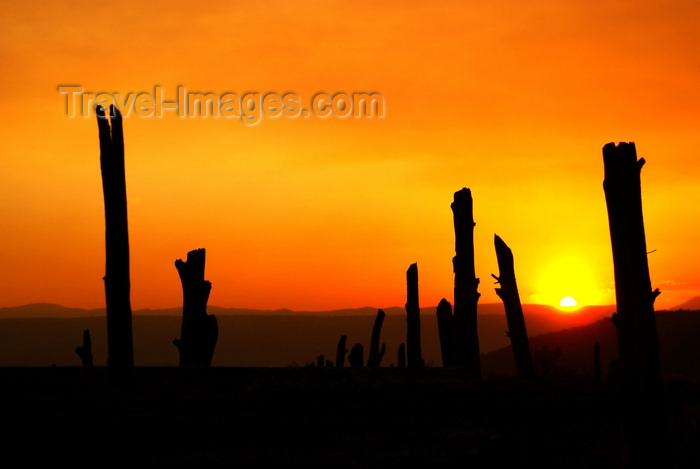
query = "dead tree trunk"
x=356 y=357
x=200 y=330
x=446 y=332
x=117 y=284
x=514 y=310
x=320 y=361
x=413 y=346
x=85 y=351
x=402 y=356
x=375 y=355
x=635 y=320
x=466 y=338
x=341 y=351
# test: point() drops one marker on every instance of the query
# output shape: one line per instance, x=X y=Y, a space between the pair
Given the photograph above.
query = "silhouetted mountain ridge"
x=51 y=310
x=692 y=304
x=259 y=339
x=679 y=348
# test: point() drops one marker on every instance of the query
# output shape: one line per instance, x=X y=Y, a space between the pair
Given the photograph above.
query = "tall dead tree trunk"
x=466 y=338
x=85 y=351
x=200 y=330
x=514 y=310
x=120 y=349
x=635 y=319
x=340 y=352
x=413 y=345
x=446 y=332
x=375 y=355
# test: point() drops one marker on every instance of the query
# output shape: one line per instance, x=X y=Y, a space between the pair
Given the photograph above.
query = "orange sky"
x=511 y=99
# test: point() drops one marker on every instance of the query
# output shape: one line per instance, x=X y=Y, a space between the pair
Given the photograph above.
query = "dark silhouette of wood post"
x=514 y=310
x=356 y=357
x=402 y=356
x=446 y=332
x=375 y=355
x=413 y=345
x=596 y=362
x=466 y=338
x=85 y=351
x=200 y=330
x=117 y=283
x=635 y=320
x=320 y=361
x=340 y=352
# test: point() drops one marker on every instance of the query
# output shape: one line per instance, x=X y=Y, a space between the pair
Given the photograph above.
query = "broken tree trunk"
x=375 y=355
x=466 y=297
x=634 y=320
x=356 y=357
x=85 y=351
x=200 y=330
x=514 y=310
x=402 y=356
x=120 y=349
x=320 y=361
x=413 y=346
x=446 y=332
x=340 y=352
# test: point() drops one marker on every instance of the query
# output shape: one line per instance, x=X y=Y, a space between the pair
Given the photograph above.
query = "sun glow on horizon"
x=568 y=282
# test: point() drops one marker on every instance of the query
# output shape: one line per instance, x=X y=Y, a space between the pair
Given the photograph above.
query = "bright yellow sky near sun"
x=514 y=100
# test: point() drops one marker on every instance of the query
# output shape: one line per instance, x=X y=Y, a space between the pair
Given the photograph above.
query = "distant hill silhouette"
x=51 y=310
x=679 y=346
x=268 y=340
x=281 y=341
x=42 y=335
x=692 y=305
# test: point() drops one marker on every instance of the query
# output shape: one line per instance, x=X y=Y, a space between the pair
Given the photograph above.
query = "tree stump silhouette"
x=200 y=330
x=596 y=362
x=375 y=355
x=402 y=356
x=466 y=295
x=356 y=357
x=514 y=310
x=341 y=351
x=85 y=351
x=413 y=345
x=446 y=332
x=120 y=349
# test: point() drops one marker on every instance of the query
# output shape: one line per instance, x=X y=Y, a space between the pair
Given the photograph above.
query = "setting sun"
x=568 y=302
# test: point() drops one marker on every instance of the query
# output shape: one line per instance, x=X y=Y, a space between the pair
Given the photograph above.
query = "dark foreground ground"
x=254 y=417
